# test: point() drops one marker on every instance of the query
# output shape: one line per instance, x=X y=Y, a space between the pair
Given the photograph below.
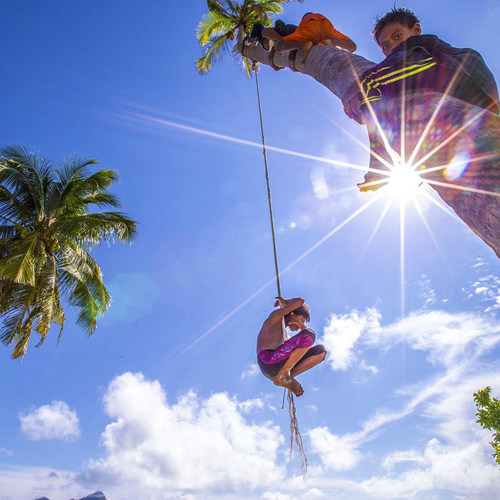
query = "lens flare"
x=457 y=166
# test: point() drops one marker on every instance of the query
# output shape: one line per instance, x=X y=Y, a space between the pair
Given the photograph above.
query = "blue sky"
x=164 y=401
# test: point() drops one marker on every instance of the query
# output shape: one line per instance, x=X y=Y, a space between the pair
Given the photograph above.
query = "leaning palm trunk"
x=474 y=194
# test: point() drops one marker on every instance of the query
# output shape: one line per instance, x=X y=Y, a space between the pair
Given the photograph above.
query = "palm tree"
x=47 y=232
x=224 y=19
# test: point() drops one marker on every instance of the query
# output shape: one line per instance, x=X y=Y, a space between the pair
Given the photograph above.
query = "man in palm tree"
x=279 y=360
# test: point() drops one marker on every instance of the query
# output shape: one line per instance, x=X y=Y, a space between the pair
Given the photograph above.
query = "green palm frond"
x=81 y=281
x=28 y=173
x=9 y=293
x=80 y=265
x=247 y=65
x=8 y=232
x=222 y=7
x=89 y=309
x=102 y=199
x=212 y=25
x=211 y=53
x=73 y=194
x=18 y=320
x=93 y=229
x=47 y=295
x=20 y=263
x=72 y=171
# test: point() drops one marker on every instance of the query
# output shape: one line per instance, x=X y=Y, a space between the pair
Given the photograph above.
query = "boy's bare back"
x=270 y=335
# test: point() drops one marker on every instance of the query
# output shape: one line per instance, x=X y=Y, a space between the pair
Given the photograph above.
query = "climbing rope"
x=255 y=67
x=295 y=435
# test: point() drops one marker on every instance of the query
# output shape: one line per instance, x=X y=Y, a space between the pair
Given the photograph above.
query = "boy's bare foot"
x=288 y=382
x=306 y=47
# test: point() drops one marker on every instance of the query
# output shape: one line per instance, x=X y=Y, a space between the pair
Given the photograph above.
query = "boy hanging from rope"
x=279 y=360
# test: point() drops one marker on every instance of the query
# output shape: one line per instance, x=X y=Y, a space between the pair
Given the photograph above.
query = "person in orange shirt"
x=313 y=29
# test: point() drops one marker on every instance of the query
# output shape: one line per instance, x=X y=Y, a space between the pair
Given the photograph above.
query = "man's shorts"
x=315 y=28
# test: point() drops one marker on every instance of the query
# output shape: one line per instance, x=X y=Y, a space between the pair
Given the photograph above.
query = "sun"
x=403 y=181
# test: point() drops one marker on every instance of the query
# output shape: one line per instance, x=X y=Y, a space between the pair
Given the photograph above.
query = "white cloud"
x=250 y=405
x=54 y=421
x=479 y=263
x=276 y=495
x=487 y=289
x=445 y=336
x=35 y=482
x=426 y=293
x=399 y=457
x=312 y=494
x=336 y=452
x=363 y=365
x=250 y=371
x=193 y=445
x=342 y=332
x=463 y=470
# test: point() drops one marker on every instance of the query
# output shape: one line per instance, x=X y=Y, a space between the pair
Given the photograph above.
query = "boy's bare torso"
x=270 y=335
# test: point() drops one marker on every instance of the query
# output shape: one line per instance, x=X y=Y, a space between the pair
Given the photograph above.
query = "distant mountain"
x=97 y=495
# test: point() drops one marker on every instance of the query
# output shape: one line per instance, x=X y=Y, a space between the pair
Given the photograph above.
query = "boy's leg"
x=284 y=377
x=302 y=359
x=295 y=357
x=299 y=362
x=314 y=356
